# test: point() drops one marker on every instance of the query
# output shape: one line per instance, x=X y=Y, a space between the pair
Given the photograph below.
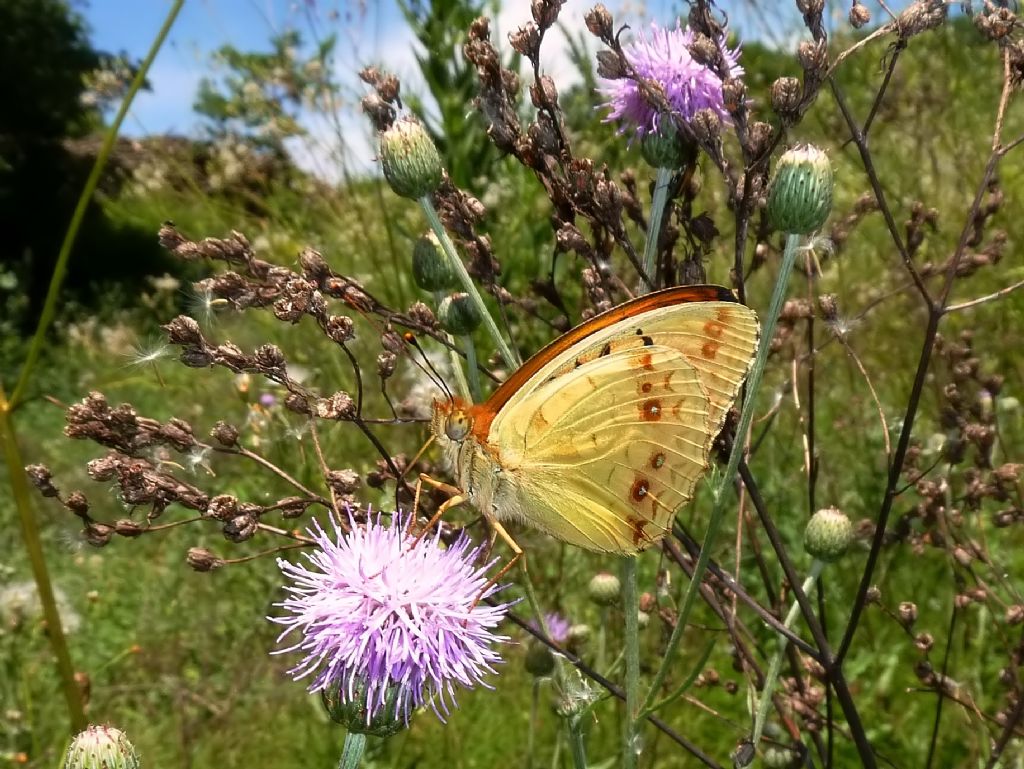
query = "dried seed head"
x=386 y=362
x=704 y=50
x=924 y=642
x=526 y=40
x=760 y=138
x=907 y=613
x=338 y=406
x=921 y=16
x=600 y=23
x=1014 y=614
x=786 y=94
x=344 y=481
x=733 y=92
x=201 y=559
x=707 y=126
x=873 y=595
x=41 y=477
x=340 y=328
x=859 y=15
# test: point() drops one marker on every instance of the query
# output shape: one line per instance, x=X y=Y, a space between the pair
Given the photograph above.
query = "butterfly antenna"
x=426 y=366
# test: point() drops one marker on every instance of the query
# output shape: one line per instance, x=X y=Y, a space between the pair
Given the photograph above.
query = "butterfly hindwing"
x=604 y=457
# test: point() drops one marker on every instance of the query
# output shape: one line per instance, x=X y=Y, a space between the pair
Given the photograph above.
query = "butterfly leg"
x=517 y=556
x=455 y=498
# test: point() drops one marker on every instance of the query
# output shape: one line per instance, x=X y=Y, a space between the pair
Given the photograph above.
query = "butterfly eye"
x=457 y=427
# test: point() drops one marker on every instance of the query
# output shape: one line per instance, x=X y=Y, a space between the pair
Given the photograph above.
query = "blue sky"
x=368 y=32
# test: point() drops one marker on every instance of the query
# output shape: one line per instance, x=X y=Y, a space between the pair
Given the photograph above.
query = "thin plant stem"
x=661 y=184
x=576 y=743
x=71 y=234
x=764 y=704
x=352 y=753
x=471 y=368
x=721 y=488
x=507 y=354
x=573 y=724
x=8 y=434
x=631 y=608
x=41 y=575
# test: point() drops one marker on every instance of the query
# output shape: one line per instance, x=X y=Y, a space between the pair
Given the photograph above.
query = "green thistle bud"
x=667 y=148
x=800 y=197
x=458 y=314
x=828 y=534
x=604 y=588
x=539 y=662
x=411 y=162
x=351 y=712
x=101 y=747
x=430 y=267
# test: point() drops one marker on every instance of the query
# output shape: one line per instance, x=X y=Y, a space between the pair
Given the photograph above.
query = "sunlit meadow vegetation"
x=178 y=658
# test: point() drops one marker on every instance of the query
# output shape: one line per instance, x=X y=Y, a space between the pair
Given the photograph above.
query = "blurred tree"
x=47 y=61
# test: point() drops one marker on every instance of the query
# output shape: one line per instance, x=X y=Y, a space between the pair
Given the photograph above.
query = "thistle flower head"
x=101 y=746
x=664 y=58
x=389 y=625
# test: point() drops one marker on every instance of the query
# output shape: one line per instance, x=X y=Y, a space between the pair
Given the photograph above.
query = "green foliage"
x=179 y=660
x=461 y=138
x=260 y=94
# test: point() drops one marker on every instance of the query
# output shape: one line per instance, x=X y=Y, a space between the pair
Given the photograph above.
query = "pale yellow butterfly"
x=601 y=436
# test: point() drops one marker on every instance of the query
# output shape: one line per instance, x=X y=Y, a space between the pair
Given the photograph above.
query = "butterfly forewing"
x=603 y=434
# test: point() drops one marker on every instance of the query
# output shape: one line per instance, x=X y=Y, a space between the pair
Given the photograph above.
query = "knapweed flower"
x=375 y=615
x=664 y=58
x=558 y=627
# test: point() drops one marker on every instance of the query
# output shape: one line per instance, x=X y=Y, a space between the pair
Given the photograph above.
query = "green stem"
x=658 y=202
x=631 y=606
x=64 y=255
x=352 y=753
x=41 y=575
x=576 y=742
x=720 y=490
x=8 y=435
x=776 y=664
x=507 y=354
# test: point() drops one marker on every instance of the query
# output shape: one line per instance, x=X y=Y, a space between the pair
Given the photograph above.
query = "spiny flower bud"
x=604 y=588
x=458 y=314
x=348 y=707
x=411 y=162
x=101 y=747
x=430 y=267
x=800 y=197
x=828 y=534
x=666 y=148
x=539 y=662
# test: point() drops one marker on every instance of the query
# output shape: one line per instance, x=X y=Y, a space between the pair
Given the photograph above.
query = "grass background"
x=180 y=661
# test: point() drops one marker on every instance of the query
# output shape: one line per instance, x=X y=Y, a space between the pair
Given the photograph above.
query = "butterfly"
x=602 y=435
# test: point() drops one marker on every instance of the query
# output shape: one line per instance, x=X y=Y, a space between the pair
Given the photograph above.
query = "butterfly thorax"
x=475 y=464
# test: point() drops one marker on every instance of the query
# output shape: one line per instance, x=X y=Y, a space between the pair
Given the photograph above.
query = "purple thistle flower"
x=665 y=59
x=558 y=627
x=375 y=615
